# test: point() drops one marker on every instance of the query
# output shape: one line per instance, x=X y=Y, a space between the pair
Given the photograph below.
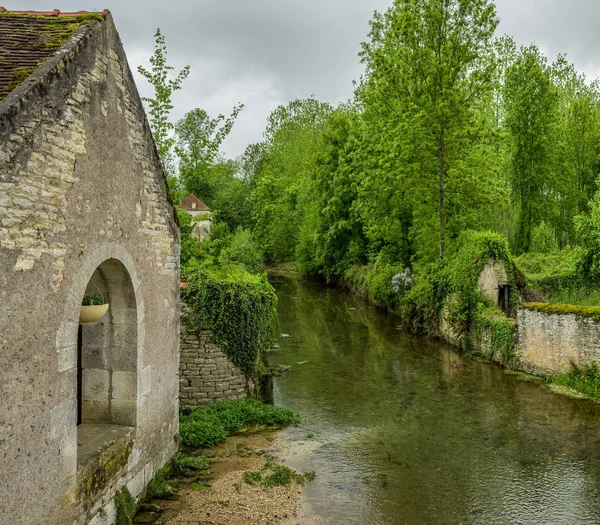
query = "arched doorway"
x=107 y=362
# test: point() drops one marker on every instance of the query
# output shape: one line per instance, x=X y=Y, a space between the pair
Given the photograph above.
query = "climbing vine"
x=239 y=308
x=502 y=334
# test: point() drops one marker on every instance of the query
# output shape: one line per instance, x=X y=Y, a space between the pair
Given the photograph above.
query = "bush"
x=210 y=426
x=240 y=248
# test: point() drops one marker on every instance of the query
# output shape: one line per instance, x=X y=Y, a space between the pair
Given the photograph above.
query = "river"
x=402 y=430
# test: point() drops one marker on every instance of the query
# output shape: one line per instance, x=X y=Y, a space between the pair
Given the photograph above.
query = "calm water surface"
x=405 y=431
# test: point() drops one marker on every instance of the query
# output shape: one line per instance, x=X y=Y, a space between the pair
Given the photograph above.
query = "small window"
x=193 y=205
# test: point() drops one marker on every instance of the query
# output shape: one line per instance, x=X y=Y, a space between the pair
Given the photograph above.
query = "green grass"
x=198 y=486
x=584 y=380
x=577 y=296
x=210 y=426
x=192 y=463
x=274 y=475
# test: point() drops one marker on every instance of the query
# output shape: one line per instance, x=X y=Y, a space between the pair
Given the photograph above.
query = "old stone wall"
x=206 y=374
x=548 y=343
x=81 y=184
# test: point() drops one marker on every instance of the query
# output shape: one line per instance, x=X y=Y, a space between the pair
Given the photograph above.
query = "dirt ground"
x=227 y=500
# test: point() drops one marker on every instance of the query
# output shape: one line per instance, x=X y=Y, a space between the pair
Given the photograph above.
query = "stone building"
x=202 y=215
x=493 y=283
x=84 y=410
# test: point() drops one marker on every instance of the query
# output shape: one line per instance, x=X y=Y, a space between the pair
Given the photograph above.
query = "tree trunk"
x=441 y=190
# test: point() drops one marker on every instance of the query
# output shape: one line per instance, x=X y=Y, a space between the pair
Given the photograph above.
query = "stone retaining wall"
x=206 y=373
x=548 y=343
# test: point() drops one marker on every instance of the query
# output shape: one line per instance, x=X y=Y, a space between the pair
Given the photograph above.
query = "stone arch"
x=114 y=271
x=107 y=352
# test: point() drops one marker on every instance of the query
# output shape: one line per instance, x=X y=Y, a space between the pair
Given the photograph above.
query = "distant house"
x=85 y=410
x=203 y=214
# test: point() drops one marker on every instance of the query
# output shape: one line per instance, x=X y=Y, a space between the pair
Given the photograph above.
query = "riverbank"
x=223 y=497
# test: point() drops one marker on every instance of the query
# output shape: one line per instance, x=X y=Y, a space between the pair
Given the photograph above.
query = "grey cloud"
x=266 y=52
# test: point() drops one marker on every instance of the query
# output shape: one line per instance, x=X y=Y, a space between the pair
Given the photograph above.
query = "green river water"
x=402 y=430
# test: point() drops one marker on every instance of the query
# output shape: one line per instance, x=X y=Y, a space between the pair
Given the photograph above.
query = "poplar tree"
x=427 y=67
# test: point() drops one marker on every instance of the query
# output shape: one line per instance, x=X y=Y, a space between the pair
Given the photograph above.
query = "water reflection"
x=408 y=432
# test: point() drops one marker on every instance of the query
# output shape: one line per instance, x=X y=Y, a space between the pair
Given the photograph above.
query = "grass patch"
x=274 y=475
x=192 y=464
x=585 y=381
x=576 y=296
x=162 y=486
x=210 y=426
x=198 y=486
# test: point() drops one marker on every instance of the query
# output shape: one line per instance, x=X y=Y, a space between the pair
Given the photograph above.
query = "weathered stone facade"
x=207 y=374
x=491 y=279
x=82 y=199
x=548 y=343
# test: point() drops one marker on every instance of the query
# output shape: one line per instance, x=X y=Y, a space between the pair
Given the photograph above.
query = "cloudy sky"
x=267 y=52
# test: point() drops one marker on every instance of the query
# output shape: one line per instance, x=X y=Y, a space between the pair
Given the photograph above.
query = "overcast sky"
x=267 y=52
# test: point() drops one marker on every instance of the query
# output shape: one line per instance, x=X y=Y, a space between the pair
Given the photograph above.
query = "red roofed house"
x=202 y=213
x=86 y=410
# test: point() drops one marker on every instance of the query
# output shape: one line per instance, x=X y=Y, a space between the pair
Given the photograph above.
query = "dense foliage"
x=452 y=130
x=239 y=308
x=210 y=426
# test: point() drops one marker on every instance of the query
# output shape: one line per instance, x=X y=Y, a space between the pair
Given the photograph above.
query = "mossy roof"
x=28 y=38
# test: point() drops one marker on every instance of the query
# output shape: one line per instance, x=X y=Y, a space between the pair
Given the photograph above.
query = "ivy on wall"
x=502 y=332
x=239 y=308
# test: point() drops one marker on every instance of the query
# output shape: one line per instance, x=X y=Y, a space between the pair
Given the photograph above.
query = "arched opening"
x=107 y=363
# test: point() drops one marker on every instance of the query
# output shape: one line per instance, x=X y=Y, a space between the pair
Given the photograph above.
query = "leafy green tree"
x=427 y=66
x=531 y=102
x=199 y=138
x=285 y=162
x=161 y=104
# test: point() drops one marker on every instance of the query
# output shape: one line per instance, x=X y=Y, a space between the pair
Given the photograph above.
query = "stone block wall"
x=81 y=187
x=548 y=343
x=207 y=374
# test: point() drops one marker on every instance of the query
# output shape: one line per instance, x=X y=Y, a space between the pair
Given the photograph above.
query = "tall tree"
x=428 y=65
x=531 y=102
x=161 y=104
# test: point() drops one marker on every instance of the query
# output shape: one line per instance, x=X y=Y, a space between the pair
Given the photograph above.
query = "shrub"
x=273 y=475
x=210 y=426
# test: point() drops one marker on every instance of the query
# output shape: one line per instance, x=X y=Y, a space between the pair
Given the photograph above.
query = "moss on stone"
x=51 y=34
x=97 y=475
x=126 y=507
x=581 y=312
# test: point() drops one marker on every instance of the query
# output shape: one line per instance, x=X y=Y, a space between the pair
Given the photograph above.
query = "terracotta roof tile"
x=188 y=204
x=28 y=38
